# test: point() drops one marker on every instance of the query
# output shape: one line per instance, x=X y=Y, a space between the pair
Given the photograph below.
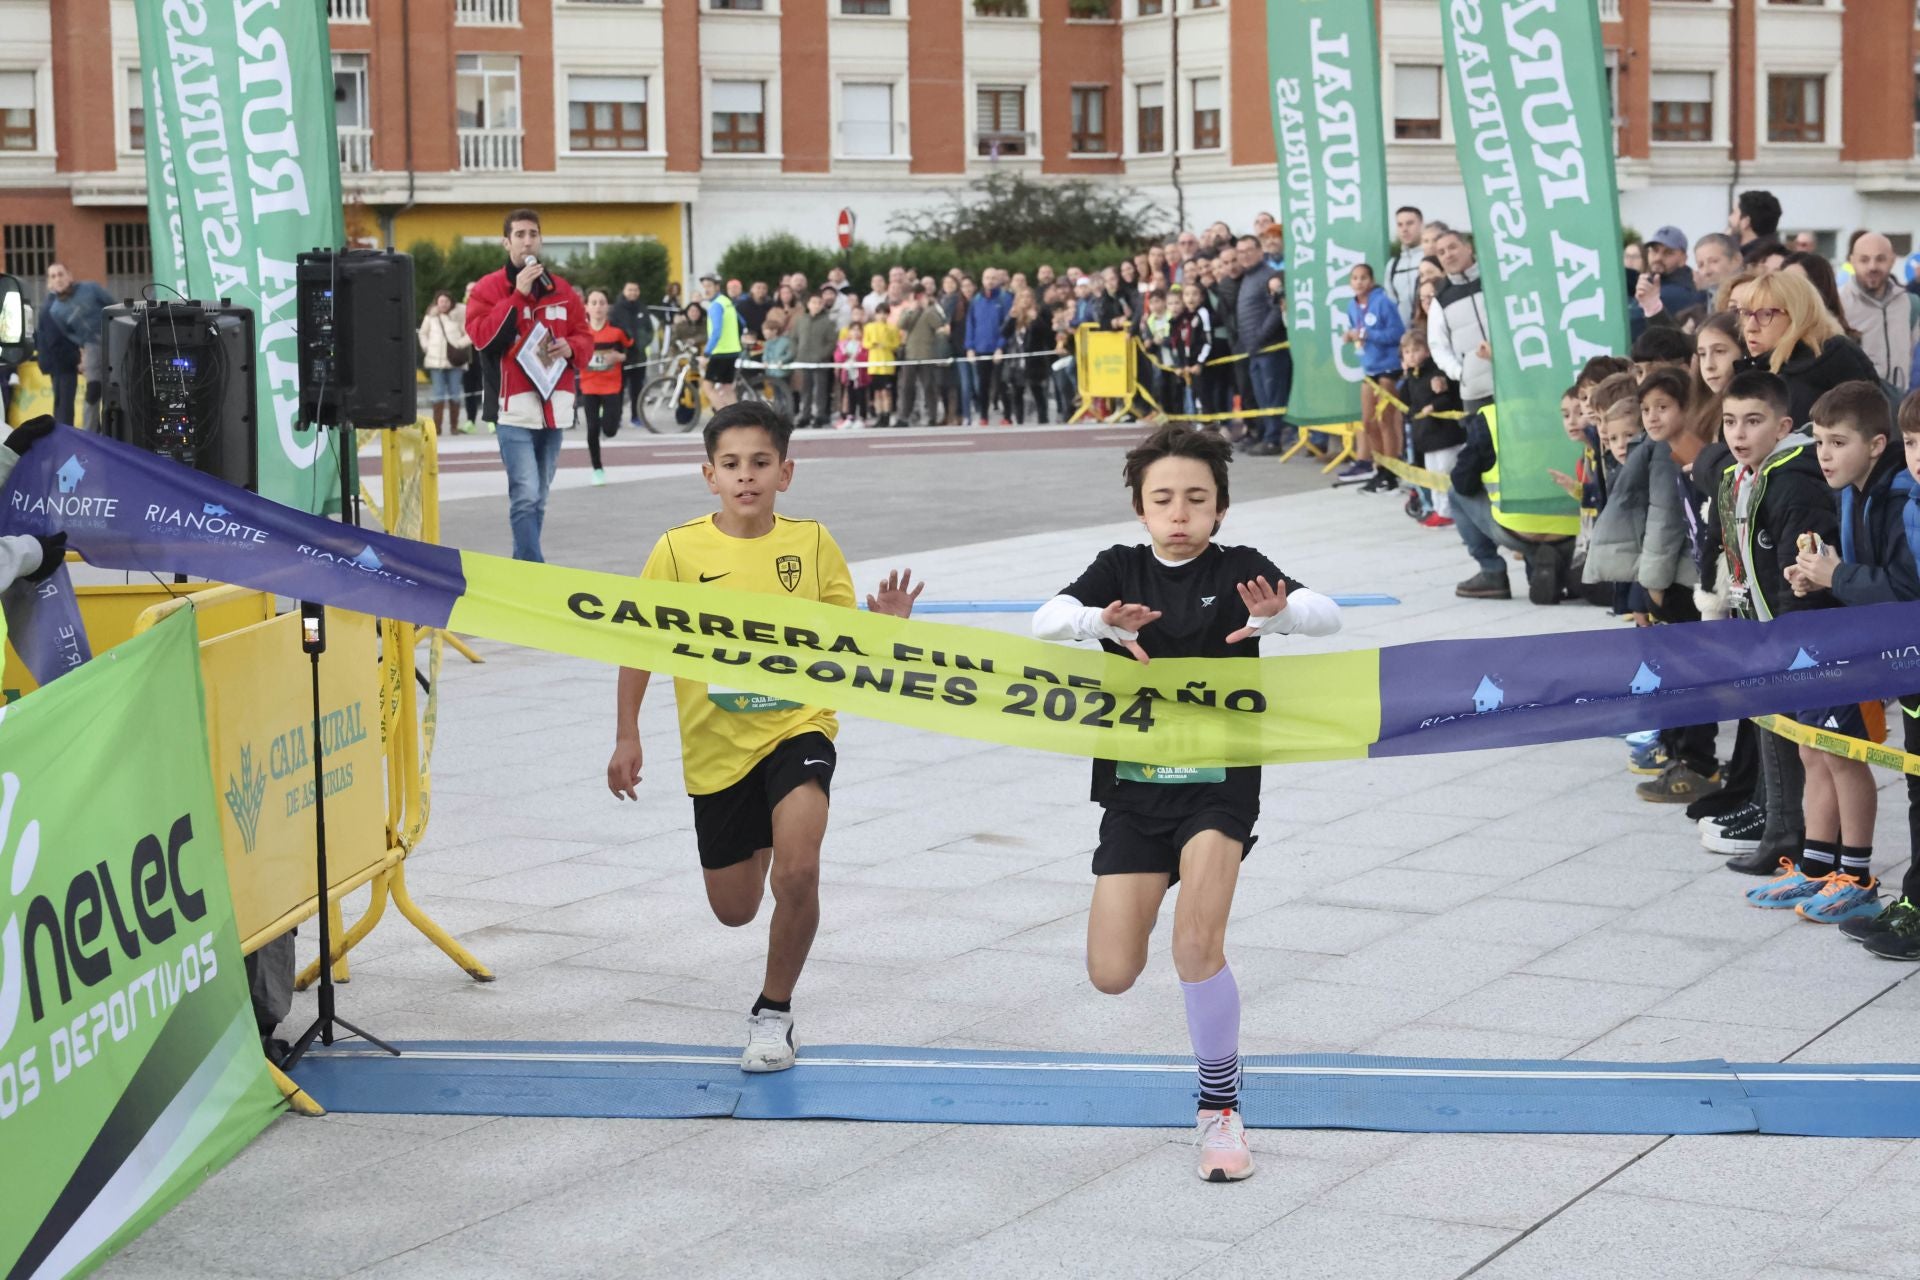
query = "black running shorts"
x=732 y=825
x=720 y=369
x=1142 y=842
x=1842 y=719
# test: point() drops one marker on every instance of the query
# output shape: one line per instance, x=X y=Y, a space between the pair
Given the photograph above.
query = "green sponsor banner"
x=1532 y=126
x=129 y=1063
x=243 y=174
x=1323 y=57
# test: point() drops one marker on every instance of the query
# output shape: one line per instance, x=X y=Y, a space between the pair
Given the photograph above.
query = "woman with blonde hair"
x=1789 y=331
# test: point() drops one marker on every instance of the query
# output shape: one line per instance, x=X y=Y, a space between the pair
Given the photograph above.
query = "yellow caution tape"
x=1841 y=744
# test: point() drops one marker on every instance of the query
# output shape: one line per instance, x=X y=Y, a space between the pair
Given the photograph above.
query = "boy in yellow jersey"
x=882 y=338
x=757 y=768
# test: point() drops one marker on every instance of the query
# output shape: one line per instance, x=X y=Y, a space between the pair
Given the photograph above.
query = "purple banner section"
x=125 y=508
x=1461 y=695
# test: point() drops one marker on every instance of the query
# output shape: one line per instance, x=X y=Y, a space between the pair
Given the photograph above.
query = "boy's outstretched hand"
x=1262 y=601
x=1130 y=617
x=894 y=596
x=623 y=770
x=1813 y=570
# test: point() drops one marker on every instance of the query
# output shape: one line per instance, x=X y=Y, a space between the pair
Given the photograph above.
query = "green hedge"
x=452 y=267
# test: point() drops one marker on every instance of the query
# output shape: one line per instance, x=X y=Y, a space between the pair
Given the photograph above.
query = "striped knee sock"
x=1213 y=1025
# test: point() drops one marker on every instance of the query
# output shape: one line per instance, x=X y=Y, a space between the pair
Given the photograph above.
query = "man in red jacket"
x=503 y=310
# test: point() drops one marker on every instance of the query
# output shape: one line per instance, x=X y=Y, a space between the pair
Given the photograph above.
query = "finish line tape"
x=124 y=508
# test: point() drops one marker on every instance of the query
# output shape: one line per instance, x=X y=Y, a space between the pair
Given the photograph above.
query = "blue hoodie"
x=1380 y=321
x=1879 y=537
x=986 y=317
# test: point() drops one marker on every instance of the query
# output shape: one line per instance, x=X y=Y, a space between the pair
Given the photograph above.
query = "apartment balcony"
x=489 y=150
x=486 y=13
x=1609 y=10
x=348 y=10
x=356 y=150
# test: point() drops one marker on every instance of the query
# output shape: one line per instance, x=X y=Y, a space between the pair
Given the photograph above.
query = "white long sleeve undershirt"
x=1307 y=613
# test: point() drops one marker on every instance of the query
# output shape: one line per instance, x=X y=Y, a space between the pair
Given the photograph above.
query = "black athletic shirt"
x=1200 y=606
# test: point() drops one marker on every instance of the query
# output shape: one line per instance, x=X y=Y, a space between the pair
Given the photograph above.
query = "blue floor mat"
x=948 y=1086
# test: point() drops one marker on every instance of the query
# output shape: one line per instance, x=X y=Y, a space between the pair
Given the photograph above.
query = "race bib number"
x=1168 y=775
x=741 y=702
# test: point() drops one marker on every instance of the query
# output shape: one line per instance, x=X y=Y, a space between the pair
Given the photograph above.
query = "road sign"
x=844 y=228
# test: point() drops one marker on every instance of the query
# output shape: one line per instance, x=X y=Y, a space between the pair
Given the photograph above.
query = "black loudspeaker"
x=180 y=381
x=357 y=338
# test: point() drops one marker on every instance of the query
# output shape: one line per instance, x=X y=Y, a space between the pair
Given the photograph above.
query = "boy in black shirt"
x=1183 y=596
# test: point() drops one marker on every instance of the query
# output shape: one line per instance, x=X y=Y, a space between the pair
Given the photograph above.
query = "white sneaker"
x=1224 y=1153
x=769 y=1041
x=599 y=476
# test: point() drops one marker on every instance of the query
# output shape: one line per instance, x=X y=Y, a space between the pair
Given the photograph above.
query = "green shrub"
x=453 y=267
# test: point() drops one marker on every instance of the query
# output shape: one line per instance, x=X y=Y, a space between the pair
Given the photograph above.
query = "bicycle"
x=676 y=401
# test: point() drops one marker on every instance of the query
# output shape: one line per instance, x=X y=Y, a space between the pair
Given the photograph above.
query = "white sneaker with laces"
x=1224 y=1153
x=769 y=1041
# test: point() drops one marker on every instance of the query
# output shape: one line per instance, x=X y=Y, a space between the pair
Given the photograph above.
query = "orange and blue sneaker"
x=1788 y=889
x=1224 y=1153
x=1841 y=898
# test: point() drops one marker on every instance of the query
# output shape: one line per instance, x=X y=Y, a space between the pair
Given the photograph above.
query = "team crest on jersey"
x=788 y=567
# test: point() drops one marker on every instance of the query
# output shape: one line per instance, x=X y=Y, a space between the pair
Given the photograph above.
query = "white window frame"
x=1716 y=105
x=563 y=111
x=901 y=134
x=769 y=80
x=1030 y=113
x=130 y=72
x=1764 y=71
x=1391 y=107
x=1190 y=76
x=519 y=91
x=896 y=12
x=366 y=86
x=1113 y=144
x=43 y=123
x=768 y=9
x=1131 y=135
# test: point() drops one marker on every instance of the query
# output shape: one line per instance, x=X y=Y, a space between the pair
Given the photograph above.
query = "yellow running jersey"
x=725 y=732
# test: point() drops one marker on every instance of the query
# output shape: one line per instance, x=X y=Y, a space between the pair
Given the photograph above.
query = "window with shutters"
x=866 y=119
x=136 y=111
x=19 y=127
x=1150 y=118
x=1416 y=103
x=1205 y=96
x=1682 y=105
x=739 y=114
x=27 y=249
x=1000 y=126
x=607 y=113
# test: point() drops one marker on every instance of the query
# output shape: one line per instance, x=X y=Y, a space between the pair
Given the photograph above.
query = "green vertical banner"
x=130 y=1067
x=1533 y=130
x=1323 y=58
x=243 y=174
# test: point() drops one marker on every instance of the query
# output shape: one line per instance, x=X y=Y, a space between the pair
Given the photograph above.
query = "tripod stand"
x=313 y=641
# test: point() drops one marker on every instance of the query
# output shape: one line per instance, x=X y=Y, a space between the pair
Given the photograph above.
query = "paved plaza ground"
x=1511 y=904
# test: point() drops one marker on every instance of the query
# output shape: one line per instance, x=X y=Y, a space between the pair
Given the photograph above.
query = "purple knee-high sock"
x=1213 y=1024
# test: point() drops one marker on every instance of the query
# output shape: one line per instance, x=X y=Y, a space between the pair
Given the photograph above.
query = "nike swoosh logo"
x=715 y=577
x=805 y=763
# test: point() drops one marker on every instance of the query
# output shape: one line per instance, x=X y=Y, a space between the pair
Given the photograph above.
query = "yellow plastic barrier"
x=1103 y=368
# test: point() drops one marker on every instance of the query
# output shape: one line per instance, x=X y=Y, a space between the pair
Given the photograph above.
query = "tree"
x=1008 y=210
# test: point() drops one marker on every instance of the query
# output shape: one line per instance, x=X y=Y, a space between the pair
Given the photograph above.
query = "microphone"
x=545 y=282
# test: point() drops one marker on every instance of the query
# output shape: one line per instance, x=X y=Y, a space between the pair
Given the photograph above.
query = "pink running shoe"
x=1224 y=1154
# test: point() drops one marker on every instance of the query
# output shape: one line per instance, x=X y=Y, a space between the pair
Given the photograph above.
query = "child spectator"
x=603 y=378
x=1155 y=326
x=882 y=340
x=1657 y=346
x=777 y=353
x=1190 y=341
x=1374 y=325
x=1872 y=565
x=851 y=355
x=1770 y=496
x=1437 y=437
x=1894 y=934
